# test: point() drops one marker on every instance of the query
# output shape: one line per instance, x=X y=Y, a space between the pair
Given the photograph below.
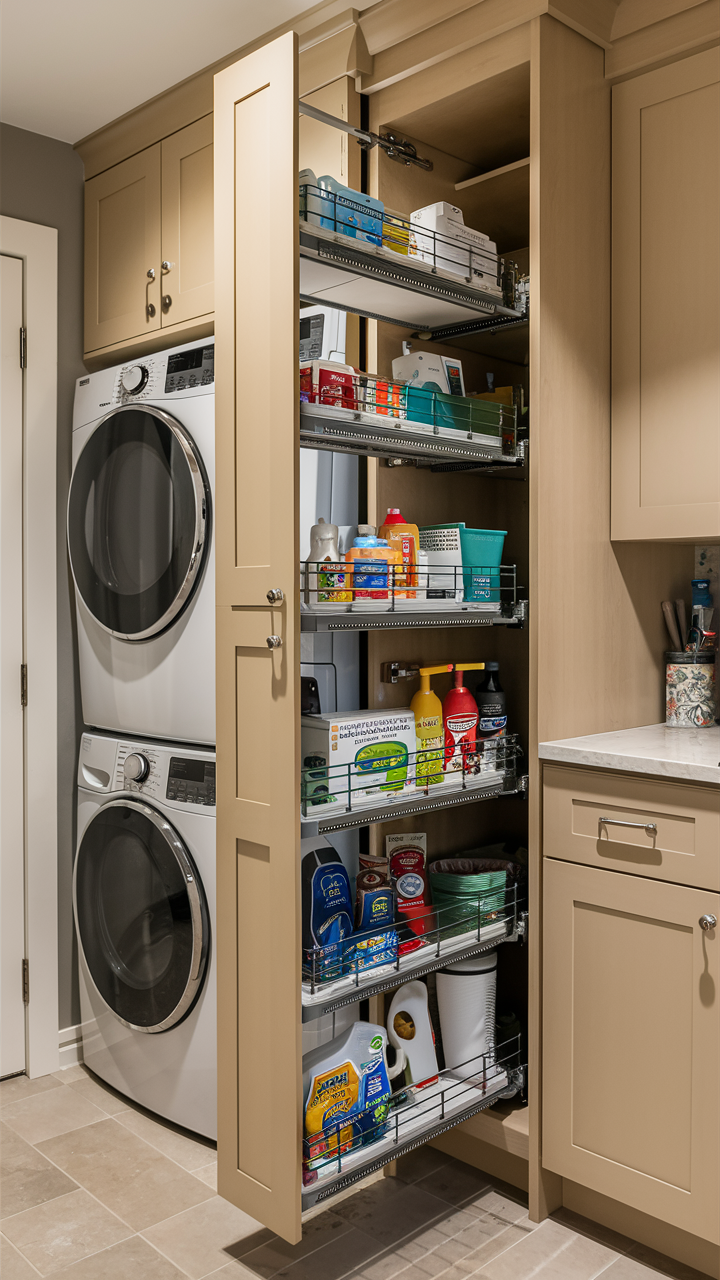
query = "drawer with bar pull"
x=665 y=830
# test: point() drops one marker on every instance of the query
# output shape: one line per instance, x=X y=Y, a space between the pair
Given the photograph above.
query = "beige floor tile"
x=646 y=1264
x=552 y=1252
x=208 y=1175
x=274 y=1255
x=61 y=1231
x=101 y=1095
x=66 y=1075
x=419 y=1163
x=497 y=1203
x=206 y=1237
x=12 y=1264
x=189 y=1153
x=133 y=1259
x=45 y=1115
x=472 y=1263
x=337 y=1259
x=389 y=1210
x=26 y=1177
x=595 y=1230
x=17 y=1087
x=455 y=1182
x=127 y=1175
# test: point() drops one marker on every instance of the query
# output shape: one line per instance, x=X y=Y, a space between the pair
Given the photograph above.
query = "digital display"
x=191 y=770
x=454 y=377
x=194 y=368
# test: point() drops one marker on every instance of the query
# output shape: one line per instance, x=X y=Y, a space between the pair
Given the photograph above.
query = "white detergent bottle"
x=411 y=1035
x=324 y=549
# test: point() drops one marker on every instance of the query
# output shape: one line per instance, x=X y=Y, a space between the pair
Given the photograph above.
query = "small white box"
x=357 y=757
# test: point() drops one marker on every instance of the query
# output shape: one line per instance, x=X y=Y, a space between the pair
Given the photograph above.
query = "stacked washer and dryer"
x=140 y=544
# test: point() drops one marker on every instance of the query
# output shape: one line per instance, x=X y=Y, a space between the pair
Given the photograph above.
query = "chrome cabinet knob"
x=274 y=642
x=151 y=274
x=167 y=266
x=136 y=767
x=275 y=595
x=707 y=922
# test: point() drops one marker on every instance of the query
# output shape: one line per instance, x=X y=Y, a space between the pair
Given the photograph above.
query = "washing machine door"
x=138 y=521
x=141 y=915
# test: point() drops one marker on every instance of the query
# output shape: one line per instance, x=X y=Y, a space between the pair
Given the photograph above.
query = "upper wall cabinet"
x=666 y=314
x=149 y=240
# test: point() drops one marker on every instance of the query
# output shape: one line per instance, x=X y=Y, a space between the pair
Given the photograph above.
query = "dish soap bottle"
x=492 y=715
x=460 y=715
x=428 y=712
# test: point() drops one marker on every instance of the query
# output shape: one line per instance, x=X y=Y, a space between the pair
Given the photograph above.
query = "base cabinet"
x=631 y=1072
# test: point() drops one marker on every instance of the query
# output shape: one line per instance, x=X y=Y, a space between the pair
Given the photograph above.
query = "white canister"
x=466 y=1005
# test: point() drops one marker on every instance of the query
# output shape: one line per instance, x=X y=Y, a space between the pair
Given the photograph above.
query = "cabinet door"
x=122 y=244
x=666 y=315
x=631 y=1034
x=258 y=696
x=187 y=223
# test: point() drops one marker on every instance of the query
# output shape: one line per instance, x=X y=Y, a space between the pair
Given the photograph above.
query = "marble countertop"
x=691 y=755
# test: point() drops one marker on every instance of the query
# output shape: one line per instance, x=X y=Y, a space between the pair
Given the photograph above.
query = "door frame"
x=37 y=247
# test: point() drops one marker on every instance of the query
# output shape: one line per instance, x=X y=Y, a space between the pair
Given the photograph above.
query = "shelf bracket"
x=391 y=672
x=395 y=148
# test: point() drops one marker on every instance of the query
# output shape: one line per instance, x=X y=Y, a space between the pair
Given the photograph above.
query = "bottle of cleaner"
x=460 y=716
x=405 y=538
x=411 y=1035
x=492 y=715
x=428 y=712
x=325 y=585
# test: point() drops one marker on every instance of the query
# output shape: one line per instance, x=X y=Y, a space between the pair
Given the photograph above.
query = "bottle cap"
x=366 y=530
x=492 y=666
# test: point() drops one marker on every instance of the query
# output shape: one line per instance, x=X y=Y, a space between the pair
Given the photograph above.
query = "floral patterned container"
x=689 y=690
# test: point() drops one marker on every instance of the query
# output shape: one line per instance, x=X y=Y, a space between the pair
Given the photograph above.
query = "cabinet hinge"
x=26 y=981
x=23 y=348
x=23 y=685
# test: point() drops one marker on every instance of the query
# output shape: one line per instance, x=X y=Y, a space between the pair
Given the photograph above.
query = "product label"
x=492 y=724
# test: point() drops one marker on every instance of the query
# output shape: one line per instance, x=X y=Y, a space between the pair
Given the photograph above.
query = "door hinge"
x=26 y=981
x=23 y=348
x=23 y=685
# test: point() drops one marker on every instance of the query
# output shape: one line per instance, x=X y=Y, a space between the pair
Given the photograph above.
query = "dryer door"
x=141 y=915
x=138 y=521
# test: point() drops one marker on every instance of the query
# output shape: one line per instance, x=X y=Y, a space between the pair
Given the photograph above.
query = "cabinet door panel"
x=187 y=222
x=122 y=243
x=631 y=1035
x=258 y=702
x=666 y=315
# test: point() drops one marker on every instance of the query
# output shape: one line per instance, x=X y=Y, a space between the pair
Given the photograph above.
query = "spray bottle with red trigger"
x=460 y=717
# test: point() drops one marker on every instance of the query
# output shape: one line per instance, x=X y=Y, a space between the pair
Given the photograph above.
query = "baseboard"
x=639 y=1226
x=482 y=1155
x=70 y=1046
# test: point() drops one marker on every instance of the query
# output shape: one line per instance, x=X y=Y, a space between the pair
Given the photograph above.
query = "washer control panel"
x=190 y=781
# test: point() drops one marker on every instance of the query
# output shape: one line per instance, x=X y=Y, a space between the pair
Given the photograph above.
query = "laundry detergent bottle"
x=406 y=539
x=460 y=717
x=411 y=1034
x=428 y=712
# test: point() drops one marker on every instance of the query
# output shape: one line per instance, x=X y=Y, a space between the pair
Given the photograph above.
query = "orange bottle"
x=406 y=539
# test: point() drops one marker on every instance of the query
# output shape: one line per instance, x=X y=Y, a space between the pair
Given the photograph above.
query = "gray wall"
x=41 y=180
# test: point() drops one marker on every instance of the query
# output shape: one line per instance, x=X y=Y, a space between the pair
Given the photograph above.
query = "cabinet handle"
x=167 y=266
x=151 y=274
x=150 y=310
x=275 y=595
x=650 y=828
x=707 y=922
x=167 y=302
x=274 y=642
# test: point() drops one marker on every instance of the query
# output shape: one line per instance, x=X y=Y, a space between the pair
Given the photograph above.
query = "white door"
x=12 y=774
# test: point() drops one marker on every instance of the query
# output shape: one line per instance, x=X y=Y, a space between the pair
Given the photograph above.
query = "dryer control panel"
x=170 y=775
x=190 y=781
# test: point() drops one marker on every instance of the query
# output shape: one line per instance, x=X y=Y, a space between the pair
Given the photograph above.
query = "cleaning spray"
x=460 y=714
x=428 y=712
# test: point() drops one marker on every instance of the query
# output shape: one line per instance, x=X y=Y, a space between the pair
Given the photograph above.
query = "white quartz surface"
x=691 y=755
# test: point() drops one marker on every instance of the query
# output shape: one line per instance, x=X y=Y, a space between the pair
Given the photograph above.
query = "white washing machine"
x=140 y=544
x=144 y=903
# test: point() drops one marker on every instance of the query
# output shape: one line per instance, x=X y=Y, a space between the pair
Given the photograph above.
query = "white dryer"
x=140 y=543
x=144 y=903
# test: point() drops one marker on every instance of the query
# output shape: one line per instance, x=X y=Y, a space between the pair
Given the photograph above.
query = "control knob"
x=136 y=767
x=134 y=379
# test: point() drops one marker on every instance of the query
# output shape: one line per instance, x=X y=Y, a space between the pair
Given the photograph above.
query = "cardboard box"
x=357 y=757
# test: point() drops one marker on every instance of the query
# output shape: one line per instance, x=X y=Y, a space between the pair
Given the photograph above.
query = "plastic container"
x=460 y=716
x=466 y=996
x=403 y=537
x=410 y=1033
x=471 y=890
x=427 y=709
x=350 y=212
x=482 y=550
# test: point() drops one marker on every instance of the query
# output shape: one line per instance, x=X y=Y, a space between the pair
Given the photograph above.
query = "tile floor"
x=94 y=1188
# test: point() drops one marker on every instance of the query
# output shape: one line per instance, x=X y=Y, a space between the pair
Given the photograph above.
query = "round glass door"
x=138 y=521
x=141 y=916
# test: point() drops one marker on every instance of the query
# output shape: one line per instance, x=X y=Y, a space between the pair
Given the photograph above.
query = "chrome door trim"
x=198 y=914
x=201 y=490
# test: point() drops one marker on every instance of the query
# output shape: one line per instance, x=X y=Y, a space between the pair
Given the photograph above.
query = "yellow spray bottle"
x=429 y=738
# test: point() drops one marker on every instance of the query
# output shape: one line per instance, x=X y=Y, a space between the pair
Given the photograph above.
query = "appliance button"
x=134 y=379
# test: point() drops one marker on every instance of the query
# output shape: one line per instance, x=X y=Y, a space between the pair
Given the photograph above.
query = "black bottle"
x=492 y=715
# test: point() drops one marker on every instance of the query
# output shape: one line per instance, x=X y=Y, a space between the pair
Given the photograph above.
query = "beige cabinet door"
x=631 y=1072
x=187 y=223
x=666 y=303
x=122 y=245
x=258 y=641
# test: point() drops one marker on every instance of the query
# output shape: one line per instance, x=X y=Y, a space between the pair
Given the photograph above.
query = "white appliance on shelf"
x=144 y=904
x=140 y=515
